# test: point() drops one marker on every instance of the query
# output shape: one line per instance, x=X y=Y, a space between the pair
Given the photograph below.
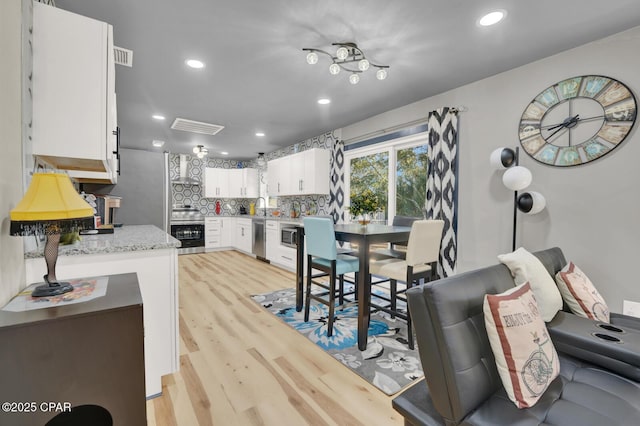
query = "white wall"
x=12 y=273
x=592 y=210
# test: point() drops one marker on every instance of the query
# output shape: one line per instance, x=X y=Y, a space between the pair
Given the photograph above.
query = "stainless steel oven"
x=191 y=235
x=288 y=236
x=187 y=226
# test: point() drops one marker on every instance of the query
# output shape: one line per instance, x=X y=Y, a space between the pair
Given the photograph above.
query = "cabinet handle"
x=288 y=258
x=278 y=187
x=116 y=132
x=301 y=184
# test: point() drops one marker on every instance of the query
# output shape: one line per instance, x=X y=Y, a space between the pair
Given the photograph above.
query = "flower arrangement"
x=366 y=202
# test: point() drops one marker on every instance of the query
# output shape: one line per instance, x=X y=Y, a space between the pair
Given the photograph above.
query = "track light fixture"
x=200 y=151
x=350 y=58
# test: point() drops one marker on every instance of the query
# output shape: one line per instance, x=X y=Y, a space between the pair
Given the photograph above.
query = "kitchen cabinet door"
x=272 y=240
x=235 y=183
x=216 y=183
x=244 y=236
x=228 y=232
x=73 y=92
x=315 y=177
x=251 y=183
x=275 y=176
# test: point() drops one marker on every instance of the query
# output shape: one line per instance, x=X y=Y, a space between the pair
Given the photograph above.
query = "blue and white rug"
x=387 y=363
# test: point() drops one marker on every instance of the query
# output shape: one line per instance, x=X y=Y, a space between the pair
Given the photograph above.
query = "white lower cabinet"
x=286 y=257
x=212 y=232
x=272 y=240
x=228 y=232
x=244 y=235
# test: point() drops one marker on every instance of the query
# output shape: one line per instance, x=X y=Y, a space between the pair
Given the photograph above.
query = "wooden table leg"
x=364 y=294
x=299 y=268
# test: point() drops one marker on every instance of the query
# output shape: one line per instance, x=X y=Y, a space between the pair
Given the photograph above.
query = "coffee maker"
x=106 y=206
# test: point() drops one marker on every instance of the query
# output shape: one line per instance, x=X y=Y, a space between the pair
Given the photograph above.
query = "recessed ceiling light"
x=224 y=153
x=492 y=18
x=158 y=144
x=194 y=63
x=324 y=101
x=158 y=117
x=259 y=134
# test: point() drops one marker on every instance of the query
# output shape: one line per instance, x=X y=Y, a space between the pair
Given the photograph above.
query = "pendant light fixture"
x=200 y=151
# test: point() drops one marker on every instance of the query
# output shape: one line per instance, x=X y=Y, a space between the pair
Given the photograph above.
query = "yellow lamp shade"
x=51 y=196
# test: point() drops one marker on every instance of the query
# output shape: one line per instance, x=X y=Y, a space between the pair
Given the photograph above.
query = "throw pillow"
x=581 y=296
x=525 y=267
x=526 y=359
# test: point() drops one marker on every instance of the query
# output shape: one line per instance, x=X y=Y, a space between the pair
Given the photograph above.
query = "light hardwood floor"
x=240 y=365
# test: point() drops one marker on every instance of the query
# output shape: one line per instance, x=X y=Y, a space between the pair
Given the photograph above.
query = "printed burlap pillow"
x=526 y=359
x=580 y=294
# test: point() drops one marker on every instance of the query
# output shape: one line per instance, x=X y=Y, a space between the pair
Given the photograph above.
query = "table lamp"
x=51 y=206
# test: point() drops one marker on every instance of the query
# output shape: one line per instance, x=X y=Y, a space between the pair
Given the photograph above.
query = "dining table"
x=363 y=236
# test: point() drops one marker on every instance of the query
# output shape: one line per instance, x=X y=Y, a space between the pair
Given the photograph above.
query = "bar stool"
x=322 y=255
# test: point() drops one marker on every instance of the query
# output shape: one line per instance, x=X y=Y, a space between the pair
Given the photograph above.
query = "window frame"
x=391 y=147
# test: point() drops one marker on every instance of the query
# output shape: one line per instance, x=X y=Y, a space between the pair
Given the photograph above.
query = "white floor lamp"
x=517 y=178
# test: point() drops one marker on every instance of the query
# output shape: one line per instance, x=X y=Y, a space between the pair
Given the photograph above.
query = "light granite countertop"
x=261 y=217
x=125 y=239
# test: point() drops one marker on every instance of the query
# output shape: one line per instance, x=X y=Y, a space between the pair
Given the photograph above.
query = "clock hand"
x=565 y=123
x=550 y=127
x=563 y=127
x=592 y=118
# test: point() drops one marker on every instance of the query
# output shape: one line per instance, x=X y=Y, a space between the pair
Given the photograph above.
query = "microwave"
x=288 y=236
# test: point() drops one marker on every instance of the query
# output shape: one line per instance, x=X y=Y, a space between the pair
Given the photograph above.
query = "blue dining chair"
x=322 y=255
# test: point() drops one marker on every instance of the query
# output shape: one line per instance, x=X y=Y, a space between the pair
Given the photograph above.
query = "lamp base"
x=52 y=289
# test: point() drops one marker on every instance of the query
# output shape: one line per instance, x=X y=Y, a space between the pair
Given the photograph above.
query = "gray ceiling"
x=256 y=77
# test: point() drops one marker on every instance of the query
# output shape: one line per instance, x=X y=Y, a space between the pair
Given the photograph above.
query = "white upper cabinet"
x=231 y=183
x=277 y=177
x=216 y=183
x=243 y=183
x=74 y=112
x=303 y=173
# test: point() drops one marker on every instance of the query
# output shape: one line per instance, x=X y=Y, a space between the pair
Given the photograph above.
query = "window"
x=395 y=170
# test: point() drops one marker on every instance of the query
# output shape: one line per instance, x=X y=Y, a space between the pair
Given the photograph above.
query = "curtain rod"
x=397 y=127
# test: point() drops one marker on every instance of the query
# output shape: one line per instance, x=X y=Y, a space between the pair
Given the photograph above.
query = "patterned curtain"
x=336 y=190
x=442 y=188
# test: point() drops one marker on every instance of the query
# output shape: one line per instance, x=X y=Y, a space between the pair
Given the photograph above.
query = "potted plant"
x=363 y=205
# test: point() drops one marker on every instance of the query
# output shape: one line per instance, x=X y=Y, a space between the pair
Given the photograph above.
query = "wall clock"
x=577 y=120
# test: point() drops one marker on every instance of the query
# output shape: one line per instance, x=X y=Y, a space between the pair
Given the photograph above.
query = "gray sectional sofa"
x=598 y=382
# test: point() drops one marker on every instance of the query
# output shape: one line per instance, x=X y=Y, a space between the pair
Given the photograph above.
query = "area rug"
x=387 y=363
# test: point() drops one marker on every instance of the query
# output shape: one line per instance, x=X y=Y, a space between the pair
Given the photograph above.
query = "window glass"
x=371 y=172
x=411 y=180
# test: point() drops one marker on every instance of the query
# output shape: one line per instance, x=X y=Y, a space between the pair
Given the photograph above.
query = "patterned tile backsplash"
x=193 y=194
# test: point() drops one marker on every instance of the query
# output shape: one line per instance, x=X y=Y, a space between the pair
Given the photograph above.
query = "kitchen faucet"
x=264 y=210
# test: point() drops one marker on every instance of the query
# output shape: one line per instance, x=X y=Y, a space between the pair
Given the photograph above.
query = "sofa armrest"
x=416 y=406
x=610 y=346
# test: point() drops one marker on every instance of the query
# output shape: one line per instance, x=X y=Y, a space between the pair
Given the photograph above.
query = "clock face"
x=577 y=120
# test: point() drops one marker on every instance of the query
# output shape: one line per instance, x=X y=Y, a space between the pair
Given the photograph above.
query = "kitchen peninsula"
x=152 y=254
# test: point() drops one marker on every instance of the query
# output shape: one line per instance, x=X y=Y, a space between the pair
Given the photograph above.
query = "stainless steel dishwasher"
x=259 y=239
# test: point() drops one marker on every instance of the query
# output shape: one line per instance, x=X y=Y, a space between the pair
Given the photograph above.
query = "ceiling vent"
x=196 y=126
x=123 y=56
